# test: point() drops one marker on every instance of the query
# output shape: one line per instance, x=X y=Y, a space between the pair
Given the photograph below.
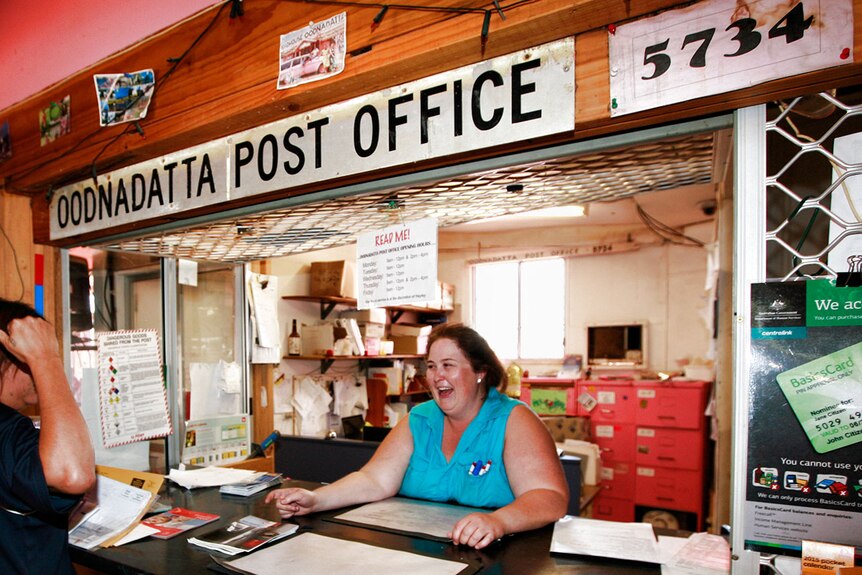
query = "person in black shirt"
x=43 y=472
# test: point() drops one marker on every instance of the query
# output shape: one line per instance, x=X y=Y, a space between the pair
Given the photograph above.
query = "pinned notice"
x=133 y=401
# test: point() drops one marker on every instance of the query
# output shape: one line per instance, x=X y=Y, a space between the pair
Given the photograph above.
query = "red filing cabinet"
x=671 y=447
x=653 y=440
x=610 y=406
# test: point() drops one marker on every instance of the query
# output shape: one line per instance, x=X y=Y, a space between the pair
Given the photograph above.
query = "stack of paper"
x=211 y=476
x=242 y=536
x=254 y=484
x=108 y=512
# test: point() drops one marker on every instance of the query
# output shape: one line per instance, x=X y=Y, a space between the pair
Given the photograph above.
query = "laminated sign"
x=804 y=421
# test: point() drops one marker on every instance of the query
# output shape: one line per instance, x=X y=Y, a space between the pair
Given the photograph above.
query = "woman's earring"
x=479 y=380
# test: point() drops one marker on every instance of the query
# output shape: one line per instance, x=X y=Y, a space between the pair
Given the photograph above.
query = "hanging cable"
x=17 y=267
x=664 y=231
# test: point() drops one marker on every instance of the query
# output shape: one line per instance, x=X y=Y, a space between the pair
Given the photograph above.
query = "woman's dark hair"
x=10 y=310
x=476 y=349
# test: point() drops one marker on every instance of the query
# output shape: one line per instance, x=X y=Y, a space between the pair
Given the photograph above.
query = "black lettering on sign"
x=371 y=112
x=519 y=88
x=476 y=102
x=395 y=120
x=426 y=111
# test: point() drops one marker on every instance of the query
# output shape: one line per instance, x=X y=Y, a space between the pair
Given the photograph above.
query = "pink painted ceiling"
x=45 y=41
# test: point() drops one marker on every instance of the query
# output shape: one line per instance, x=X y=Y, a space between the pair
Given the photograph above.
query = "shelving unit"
x=377 y=396
x=328 y=303
x=326 y=361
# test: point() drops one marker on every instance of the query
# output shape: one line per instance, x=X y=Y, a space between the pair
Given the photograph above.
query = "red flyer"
x=177 y=520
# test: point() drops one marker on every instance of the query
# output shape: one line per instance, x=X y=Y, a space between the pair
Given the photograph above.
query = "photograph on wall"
x=55 y=120
x=124 y=97
x=5 y=141
x=804 y=466
x=313 y=52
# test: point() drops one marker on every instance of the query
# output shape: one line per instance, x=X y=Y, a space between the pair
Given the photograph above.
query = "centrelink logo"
x=777 y=305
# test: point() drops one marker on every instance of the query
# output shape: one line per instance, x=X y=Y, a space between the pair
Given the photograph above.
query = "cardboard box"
x=444 y=297
x=410 y=329
x=334 y=279
x=372 y=345
x=409 y=344
x=371 y=329
x=373 y=315
x=316 y=339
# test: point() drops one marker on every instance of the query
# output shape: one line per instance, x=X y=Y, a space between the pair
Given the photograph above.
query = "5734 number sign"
x=718 y=46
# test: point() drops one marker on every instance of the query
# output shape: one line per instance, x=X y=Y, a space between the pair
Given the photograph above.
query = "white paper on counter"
x=212 y=476
x=700 y=554
x=313 y=554
x=582 y=536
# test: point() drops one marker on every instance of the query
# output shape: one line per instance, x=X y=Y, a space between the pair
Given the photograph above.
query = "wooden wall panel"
x=18 y=259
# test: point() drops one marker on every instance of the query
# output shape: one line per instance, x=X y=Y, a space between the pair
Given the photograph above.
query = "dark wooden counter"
x=522 y=554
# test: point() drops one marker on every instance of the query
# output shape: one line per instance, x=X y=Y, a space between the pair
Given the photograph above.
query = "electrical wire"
x=175 y=62
x=17 y=267
x=664 y=231
x=417 y=8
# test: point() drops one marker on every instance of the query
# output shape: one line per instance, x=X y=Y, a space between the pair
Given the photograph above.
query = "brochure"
x=244 y=535
x=252 y=485
x=176 y=521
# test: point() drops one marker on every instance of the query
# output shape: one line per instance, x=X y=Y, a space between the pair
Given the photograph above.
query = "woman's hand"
x=293 y=501
x=477 y=530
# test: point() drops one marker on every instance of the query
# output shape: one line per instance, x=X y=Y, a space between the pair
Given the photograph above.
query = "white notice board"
x=718 y=46
x=398 y=265
x=133 y=402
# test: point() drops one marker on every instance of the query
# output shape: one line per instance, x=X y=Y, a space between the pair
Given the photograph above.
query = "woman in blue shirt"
x=42 y=472
x=471 y=445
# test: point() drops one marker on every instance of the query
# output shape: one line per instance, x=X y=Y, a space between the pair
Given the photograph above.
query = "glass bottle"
x=294 y=343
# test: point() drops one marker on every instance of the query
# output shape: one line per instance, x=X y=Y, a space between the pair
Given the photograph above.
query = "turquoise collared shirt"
x=476 y=475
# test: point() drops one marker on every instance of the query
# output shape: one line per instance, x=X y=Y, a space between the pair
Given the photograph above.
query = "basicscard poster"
x=804 y=471
x=312 y=53
x=124 y=97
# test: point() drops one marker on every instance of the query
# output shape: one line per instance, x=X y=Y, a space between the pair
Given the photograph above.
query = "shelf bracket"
x=325 y=364
x=395 y=315
x=326 y=309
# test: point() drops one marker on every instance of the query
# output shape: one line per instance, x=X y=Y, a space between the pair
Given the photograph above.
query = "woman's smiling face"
x=452 y=381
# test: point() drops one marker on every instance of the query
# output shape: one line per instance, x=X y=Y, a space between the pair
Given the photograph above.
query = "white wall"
x=660 y=284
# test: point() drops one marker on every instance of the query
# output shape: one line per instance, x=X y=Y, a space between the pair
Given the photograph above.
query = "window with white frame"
x=519 y=307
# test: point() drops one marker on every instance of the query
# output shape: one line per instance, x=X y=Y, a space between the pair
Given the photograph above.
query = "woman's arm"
x=65 y=450
x=536 y=478
x=378 y=479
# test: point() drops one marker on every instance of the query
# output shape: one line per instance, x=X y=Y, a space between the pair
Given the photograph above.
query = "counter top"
x=522 y=553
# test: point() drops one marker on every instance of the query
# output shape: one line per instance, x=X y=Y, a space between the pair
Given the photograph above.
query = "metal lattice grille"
x=593 y=177
x=814 y=186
